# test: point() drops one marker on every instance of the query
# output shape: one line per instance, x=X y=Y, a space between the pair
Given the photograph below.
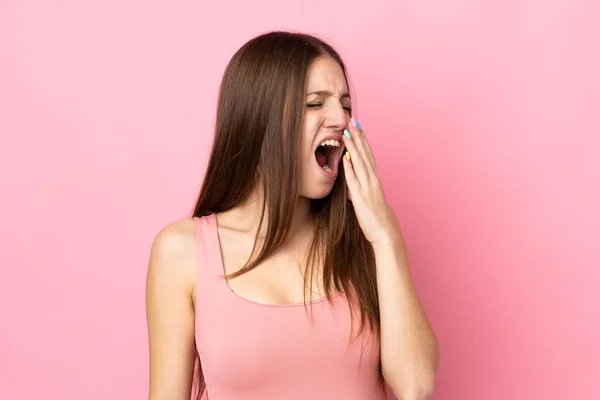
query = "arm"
x=170 y=313
x=409 y=350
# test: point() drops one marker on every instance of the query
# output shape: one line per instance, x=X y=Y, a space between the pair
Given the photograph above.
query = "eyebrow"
x=328 y=93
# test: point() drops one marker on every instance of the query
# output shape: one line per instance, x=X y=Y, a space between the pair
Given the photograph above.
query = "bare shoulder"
x=173 y=254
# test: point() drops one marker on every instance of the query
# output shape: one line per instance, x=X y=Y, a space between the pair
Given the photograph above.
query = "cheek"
x=310 y=127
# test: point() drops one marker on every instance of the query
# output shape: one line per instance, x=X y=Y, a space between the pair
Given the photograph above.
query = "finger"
x=370 y=155
x=357 y=135
x=368 y=148
x=351 y=179
x=357 y=160
x=362 y=145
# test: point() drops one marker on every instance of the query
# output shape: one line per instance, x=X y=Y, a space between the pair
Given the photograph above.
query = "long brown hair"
x=258 y=131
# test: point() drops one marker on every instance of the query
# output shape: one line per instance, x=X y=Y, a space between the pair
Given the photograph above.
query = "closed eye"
x=317 y=105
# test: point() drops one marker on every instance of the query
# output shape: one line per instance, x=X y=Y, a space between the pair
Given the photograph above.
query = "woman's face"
x=327 y=115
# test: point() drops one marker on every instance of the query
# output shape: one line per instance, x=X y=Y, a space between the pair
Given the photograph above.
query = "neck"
x=245 y=217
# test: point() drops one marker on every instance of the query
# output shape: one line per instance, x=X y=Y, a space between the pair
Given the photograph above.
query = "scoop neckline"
x=221 y=268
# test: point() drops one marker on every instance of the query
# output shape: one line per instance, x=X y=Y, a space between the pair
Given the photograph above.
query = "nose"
x=337 y=117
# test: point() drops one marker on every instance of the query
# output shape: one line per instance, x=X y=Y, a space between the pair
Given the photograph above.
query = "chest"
x=284 y=277
x=243 y=343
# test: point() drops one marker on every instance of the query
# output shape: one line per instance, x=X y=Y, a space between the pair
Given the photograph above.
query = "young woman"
x=291 y=279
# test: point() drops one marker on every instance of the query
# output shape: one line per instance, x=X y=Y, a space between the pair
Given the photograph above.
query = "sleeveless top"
x=255 y=351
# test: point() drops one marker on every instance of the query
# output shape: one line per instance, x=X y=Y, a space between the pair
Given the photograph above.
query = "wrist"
x=393 y=241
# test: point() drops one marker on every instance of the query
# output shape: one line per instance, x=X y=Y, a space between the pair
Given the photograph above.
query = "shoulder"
x=176 y=238
x=173 y=255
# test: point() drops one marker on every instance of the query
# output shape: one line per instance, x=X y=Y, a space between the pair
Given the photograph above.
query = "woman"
x=318 y=301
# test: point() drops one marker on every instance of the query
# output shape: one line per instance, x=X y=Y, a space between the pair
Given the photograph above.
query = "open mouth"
x=328 y=155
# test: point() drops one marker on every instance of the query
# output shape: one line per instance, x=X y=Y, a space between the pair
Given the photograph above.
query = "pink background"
x=484 y=117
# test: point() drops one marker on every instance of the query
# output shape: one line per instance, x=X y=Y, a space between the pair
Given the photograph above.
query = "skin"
x=409 y=349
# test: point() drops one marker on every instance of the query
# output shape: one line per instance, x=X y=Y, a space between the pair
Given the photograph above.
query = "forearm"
x=409 y=351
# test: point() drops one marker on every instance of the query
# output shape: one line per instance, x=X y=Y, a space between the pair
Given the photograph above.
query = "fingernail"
x=358 y=126
x=347 y=133
x=347 y=156
x=353 y=121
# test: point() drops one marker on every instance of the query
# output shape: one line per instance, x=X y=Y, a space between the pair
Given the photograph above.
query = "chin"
x=317 y=192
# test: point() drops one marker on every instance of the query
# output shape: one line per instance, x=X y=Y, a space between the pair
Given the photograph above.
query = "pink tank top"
x=253 y=351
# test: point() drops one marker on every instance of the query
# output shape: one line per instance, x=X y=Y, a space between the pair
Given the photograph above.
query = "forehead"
x=326 y=74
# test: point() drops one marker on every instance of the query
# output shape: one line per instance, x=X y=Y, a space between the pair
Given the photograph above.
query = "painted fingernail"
x=353 y=121
x=358 y=126
x=347 y=156
x=347 y=133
